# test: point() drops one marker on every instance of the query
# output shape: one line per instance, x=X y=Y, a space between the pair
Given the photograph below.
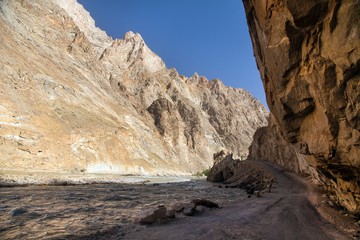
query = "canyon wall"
x=75 y=100
x=308 y=56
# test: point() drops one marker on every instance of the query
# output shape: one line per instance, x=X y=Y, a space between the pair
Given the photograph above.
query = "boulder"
x=223 y=168
x=248 y=175
x=150 y=217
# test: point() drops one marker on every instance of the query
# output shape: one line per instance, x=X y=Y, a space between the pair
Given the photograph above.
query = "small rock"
x=205 y=203
x=199 y=208
x=178 y=207
x=170 y=214
x=17 y=211
x=189 y=209
x=154 y=216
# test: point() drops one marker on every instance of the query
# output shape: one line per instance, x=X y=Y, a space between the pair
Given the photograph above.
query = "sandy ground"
x=285 y=213
x=109 y=211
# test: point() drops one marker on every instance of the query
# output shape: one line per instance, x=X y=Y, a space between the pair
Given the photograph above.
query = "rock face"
x=309 y=60
x=268 y=141
x=248 y=175
x=75 y=100
x=224 y=167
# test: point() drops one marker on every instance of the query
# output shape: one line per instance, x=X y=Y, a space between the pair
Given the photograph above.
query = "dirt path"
x=285 y=213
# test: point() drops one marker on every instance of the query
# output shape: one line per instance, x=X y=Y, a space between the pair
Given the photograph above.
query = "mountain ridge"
x=71 y=104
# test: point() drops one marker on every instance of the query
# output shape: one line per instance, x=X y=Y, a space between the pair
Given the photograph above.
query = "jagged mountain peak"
x=75 y=100
x=131 y=36
x=85 y=22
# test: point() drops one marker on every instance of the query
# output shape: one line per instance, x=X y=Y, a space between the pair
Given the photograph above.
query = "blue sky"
x=209 y=37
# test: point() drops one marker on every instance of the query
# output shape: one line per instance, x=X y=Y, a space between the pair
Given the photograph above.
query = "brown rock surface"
x=248 y=175
x=75 y=100
x=205 y=203
x=154 y=216
x=223 y=168
x=309 y=60
x=268 y=141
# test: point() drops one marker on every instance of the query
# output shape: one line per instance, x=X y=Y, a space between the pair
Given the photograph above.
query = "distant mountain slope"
x=73 y=99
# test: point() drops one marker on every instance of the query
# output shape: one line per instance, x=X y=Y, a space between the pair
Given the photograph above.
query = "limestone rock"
x=73 y=100
x=248 y=175
x=309 y=60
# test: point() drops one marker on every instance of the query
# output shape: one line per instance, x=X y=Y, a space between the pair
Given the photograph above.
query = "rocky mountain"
x=75 y=100
x=308 y=55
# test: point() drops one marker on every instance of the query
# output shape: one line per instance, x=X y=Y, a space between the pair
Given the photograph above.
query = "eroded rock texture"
x=249 y=175
x=308 y=56
x=75 y=100
x=268 y=141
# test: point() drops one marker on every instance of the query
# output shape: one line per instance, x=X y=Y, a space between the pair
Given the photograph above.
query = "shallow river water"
x=92 y=210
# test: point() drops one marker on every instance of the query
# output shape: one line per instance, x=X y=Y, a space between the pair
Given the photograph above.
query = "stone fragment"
x=178 y=207
x=189 y=209
x=150 y=217
x=205 y=203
